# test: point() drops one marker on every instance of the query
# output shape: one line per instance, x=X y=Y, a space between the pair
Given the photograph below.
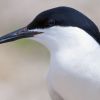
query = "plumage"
x=74 y=44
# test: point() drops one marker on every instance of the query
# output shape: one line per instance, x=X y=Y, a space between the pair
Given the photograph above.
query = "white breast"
x=79 y=80
x=75 y=63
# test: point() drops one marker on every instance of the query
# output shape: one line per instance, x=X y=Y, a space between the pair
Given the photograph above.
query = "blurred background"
x=24 y=63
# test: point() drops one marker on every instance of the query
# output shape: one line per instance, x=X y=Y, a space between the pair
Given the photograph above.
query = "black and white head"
x=58 y=26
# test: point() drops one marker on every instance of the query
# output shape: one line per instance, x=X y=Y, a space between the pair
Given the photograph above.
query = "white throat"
x=66 y=38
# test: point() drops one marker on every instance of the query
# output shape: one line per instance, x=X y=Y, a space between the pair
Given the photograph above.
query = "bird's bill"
x=18 y=34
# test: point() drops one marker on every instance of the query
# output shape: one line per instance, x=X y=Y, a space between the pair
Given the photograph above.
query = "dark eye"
x=51 y=22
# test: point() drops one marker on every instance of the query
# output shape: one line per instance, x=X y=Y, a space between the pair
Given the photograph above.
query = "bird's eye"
x=51 y=22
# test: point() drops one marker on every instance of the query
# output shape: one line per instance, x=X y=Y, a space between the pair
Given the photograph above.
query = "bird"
x=73 y=41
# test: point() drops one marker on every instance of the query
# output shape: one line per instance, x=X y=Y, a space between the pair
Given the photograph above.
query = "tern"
x=74 y=44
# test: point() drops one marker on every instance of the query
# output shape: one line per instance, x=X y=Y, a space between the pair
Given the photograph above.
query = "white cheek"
x=40 y=38
x=47 y=38
x=43 y=37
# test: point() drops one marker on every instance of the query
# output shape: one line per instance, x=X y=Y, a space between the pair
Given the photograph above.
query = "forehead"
x=55 y=11
x=59 y=14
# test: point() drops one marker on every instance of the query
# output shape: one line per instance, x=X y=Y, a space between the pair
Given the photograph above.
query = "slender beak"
x=18 y=34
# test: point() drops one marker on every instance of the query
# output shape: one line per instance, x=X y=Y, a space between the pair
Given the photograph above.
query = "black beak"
x=19 y=34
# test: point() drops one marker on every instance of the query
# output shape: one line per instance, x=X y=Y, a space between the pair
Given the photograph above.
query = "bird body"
x=74 y=44
x=74 y=71
x=77 y=78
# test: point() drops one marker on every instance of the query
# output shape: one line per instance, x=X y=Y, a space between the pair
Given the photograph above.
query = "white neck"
x=66 y=38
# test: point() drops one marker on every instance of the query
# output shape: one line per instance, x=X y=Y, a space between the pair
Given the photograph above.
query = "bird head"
x=51 y=23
